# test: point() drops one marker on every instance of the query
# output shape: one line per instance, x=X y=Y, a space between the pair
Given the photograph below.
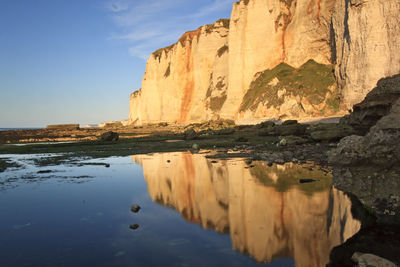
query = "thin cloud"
x=152 y=24
x=117 y=6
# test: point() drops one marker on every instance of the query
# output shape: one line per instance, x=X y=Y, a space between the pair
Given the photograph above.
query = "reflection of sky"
x=54 y=221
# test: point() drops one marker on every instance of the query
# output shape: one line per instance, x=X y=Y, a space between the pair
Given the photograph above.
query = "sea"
x=9 y=129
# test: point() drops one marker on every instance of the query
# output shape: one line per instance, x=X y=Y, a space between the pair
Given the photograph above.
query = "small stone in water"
x=134 y=226
x=107 y=165
x=135 y=208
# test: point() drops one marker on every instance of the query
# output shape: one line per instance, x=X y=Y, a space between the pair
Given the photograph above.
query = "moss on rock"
x=312 y=81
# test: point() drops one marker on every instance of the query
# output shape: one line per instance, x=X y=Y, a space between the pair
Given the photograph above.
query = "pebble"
x=134 y=226
x=135 y=208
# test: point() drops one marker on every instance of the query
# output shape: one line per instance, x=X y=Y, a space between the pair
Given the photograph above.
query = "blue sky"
x=77 y=61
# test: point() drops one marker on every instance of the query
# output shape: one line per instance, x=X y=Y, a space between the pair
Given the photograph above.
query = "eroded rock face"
x=266 y=211
x=366 y=45
x=186 y=82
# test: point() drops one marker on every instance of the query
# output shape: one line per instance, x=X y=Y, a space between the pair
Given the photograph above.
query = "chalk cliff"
x=264 y=209
x=366 y=43
x=274 y=59
x=187 y=81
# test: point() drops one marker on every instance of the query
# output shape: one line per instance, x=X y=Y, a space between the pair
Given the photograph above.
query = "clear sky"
x=77 y=61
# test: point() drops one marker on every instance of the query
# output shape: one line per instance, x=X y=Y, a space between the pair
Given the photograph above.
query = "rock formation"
x=274 y=59
x=264 y=209
x=367 y=166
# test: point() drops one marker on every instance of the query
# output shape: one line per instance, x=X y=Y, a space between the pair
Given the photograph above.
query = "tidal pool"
x=194 y=211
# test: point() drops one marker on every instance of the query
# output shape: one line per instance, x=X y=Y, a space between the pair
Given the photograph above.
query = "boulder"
x=289 y=122
x=109 y=136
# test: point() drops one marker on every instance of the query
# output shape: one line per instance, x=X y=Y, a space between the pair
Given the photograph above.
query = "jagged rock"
x=109 y=136
x=371 y=260
x=376 y=104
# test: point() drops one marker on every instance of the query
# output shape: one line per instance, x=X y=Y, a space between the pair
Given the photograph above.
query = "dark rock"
x=248 y=161
x=214 y=161
x=241 y=139
x=289 y=122
x=135 y=208
x=380 y=240
x=266 y=124
x=134 y=226
x=283 y=130
x=168 y=161
x=109 y=136
x=368 y=166
x=270 y=164
x=303 y=181
x=45 y=171
x=290 y=129
x=190 y=134
x=376 y=104
x=107 y=165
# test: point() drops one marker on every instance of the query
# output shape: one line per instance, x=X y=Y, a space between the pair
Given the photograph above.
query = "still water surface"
x=195 y=212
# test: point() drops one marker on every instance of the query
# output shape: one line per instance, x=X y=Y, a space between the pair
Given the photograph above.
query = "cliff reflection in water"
x=267 y=213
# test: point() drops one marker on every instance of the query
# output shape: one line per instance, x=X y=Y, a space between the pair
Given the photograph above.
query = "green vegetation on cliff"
x=312 y=81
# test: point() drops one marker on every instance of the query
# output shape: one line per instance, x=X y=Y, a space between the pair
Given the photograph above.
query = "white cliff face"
x=182 y=82
x=264 y=33
x=367 y=45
